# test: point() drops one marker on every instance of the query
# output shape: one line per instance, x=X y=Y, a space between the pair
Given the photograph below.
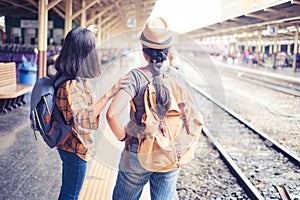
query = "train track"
x=288 y=86
x=264 y=168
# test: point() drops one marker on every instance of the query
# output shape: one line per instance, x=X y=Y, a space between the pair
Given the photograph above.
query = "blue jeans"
x=130 y=181
x=74 y=170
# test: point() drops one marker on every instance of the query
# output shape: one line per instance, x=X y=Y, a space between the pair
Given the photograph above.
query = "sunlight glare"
x=187 y=15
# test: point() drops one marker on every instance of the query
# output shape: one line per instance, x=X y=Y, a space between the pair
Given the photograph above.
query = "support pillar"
x=258 y=47
x=42 y=39
x=295 y=49
x=83 y=15
x=99 y=28
x=68 y=18
x=275 y=50
x=246 y=44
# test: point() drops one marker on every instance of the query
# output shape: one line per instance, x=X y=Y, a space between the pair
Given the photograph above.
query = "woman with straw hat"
x=156 y=41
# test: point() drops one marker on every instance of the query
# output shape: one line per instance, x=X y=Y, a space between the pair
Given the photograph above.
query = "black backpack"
x=45 y=116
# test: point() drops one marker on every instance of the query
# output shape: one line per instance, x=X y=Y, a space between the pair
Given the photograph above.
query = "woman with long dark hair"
x=79 y=60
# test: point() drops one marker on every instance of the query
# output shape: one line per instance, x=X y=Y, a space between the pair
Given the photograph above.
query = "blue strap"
x=61 y=80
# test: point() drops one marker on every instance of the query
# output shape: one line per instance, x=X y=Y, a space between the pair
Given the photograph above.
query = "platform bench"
x=11 y=93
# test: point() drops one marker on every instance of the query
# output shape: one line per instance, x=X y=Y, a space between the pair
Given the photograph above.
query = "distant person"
x=1 y=35
x=255 y=59
x=247 y=56
x=76 y=100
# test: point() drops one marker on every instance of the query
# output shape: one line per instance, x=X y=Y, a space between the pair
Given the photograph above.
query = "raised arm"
x=101 y=103
x=118 y=105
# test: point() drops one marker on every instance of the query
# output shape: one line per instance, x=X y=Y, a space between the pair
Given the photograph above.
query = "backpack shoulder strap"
x=57 y=114
x=150 y=94
x=146 y=72
x=61 y=79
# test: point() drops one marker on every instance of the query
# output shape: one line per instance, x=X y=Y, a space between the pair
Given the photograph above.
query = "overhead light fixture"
x=282 y=31
x=291 y=28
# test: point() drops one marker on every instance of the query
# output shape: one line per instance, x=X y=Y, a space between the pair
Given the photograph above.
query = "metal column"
x=68 y=19
x=83 y=14
x=296 y=49
x=42 y=38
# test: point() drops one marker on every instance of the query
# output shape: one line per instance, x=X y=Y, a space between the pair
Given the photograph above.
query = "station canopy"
x=116 y=15
x=280 y=19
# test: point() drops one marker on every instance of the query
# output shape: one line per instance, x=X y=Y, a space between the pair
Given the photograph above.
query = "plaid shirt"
x=76 y=101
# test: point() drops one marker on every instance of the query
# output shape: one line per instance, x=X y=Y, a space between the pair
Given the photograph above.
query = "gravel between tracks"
x=274 y=113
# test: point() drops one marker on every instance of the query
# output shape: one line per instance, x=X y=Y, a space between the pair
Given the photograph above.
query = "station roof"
x=283 y=16
x=115 y=13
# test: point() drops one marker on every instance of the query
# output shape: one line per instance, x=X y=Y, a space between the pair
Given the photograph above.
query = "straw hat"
x=156 y=35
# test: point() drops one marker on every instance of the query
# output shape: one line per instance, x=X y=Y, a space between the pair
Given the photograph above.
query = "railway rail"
x=289 y=86
x=264 y=168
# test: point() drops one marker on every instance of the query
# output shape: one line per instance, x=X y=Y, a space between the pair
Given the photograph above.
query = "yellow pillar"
x=99 y=28
x=289 y=49
x=83 y=14
x=275 y=45
x=275 y=50
x=258 y=47
x=270 y=49
x=246 y=44
x=295 y=48
x=42 y=38
x=68 y=18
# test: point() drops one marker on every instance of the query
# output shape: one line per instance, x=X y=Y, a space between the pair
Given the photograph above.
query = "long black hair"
x=78 y=57
x=157 y=56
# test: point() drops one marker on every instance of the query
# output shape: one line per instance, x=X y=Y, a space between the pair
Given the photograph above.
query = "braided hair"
x=157 y=56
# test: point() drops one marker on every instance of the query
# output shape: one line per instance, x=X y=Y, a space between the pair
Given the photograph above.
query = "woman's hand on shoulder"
x=173 y=58
x=120 y=84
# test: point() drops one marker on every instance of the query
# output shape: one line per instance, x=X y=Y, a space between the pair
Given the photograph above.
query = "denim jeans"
x=130 y=181
x=73 y=174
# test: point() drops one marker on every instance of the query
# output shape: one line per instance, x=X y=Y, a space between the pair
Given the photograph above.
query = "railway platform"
x=31 y=170
x=285 y=73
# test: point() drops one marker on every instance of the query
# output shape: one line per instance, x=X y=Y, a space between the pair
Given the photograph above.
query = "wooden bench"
x=11 y=93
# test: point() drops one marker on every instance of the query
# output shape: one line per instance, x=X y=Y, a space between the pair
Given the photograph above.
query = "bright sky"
x=186 y=15
x=2 y=21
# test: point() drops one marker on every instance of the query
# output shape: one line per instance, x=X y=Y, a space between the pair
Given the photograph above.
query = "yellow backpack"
x=167 y=147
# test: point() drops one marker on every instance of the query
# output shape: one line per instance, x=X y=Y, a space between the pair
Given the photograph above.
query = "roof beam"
x=109 y=17
x=20 y=6
x=111 y=22
x=230 y=23
x=32 y=2
x=243 y=21
x=62 y=15
x=140 y=2
x=52 y=4
x=120 y=10
x=295 y=2
x=101 y=13
x=258 y=17
x=245 y=27
x=116 y=28
x=77 y=13
x=290 y=14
